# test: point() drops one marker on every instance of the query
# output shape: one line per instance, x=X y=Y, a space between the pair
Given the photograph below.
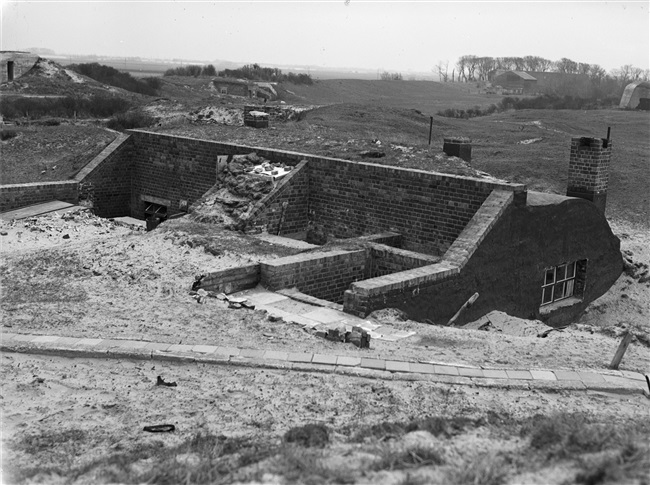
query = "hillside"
x=426 y=96
x=47 y=78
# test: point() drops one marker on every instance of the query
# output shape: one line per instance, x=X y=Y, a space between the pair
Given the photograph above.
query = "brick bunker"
x=419 y=241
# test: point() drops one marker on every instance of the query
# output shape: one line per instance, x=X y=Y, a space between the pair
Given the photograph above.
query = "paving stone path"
x=624 y=382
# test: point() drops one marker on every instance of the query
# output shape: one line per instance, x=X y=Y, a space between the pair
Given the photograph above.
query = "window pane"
x=550 y=276
x=547 y=295
x=571 y=270
x=559 y=291
x=569 y=288
x=560 y=273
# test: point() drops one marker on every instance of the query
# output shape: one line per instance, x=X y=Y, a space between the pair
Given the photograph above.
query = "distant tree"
x=208 y=70
x=390 y=76
x=484 y=66
x=442 y=68
x=566 y=66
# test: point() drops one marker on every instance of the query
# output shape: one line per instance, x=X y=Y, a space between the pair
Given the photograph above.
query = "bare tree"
x=443 y=70
x=566 y=66
x=485 y=66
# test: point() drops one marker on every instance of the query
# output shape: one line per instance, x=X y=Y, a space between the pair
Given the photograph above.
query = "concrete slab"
x=495 y=373
x=252 y=353
x=379 y=364
x=543 y=375
x=292 y=306
x=299 y=357
x=324 y=359
x=470 y=372
x=156 y=346
x=397 y=366
x=446 y=370
x=88 y=342
x=180 y=348
x=567 y=375
x=228 y=351
x=345 y=361
x=519 y=374
x=325 y=315
x=276 y=355
x=633 y=375
x=204 y=349
x=590 y=377
x=37 y=210
x=45 y=339
x=422 y=368
x=261 y=297
x=24 y=338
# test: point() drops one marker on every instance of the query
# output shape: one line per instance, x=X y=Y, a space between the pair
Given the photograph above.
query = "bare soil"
x=81 y=420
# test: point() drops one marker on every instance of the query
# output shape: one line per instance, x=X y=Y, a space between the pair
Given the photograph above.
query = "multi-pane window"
x=559 y=283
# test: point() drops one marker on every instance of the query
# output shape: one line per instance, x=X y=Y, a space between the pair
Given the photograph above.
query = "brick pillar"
x=458 y=147
x=589 y=169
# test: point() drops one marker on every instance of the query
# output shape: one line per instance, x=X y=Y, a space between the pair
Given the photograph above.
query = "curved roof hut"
x=636 y=96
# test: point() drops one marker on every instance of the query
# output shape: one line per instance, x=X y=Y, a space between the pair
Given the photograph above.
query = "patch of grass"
x=43 y=277
x=307 y=466
x=309 y=435
x=411 y=458
x=631 y=463
x=490 y=468
x=130 y=120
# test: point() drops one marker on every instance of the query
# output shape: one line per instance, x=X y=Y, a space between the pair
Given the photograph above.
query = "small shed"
x=235 y=87
x=14 y=64
x=517 y=81
x=636 y=96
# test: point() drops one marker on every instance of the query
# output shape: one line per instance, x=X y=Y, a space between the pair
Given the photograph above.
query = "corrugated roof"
x=524 y=75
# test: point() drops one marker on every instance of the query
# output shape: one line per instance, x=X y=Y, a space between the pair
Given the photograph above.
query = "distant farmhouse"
x=14 y=64
x=534 y=82
x=636 y=96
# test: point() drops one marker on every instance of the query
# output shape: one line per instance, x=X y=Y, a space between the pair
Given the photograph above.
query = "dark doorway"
x=10 y=70
x=154 y=214
x=644 y=104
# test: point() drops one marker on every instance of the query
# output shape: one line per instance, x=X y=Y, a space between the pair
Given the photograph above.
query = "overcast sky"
x=392 y=35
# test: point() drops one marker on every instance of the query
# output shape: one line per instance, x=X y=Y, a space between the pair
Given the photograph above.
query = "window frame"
x=568 y=273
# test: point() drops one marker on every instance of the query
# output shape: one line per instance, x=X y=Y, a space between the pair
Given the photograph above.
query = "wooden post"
x=620 y=352
x=467 y=304
x=430 y=128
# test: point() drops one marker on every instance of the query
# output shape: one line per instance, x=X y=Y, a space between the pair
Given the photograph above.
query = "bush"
x=68 y=107
x=8 y=134
x=310 y=435
x=130 y=120
x=113 y=77
x=255 y=72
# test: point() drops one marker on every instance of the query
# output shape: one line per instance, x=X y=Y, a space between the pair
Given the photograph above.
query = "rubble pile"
x=356 y=336
x=244 y=180
x=635 y=269
x=218 y=115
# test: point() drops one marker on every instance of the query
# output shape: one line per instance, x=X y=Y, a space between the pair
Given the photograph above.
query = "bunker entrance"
x=10 y=70
x=154 y=214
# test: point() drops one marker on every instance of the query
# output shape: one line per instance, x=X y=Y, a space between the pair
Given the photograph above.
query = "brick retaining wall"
x=324 y=275
x=14 y=196
x=105 y=182
x=232 y=280
x=388 y=260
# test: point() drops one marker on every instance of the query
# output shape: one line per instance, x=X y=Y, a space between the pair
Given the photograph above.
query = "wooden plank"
x=37 y=210
x=620 y=352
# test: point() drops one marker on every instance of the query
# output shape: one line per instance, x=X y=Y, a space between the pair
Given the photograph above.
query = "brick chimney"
x=458 y=147
x=589 y=169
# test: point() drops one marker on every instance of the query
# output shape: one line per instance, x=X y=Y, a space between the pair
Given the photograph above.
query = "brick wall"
x=14 y=196
x=232 y=280
x=325 y=275
x=589 y=169
x=428 y=276
x=285 y=210
x=429 y=209
x=105 y=182
x=388 y=260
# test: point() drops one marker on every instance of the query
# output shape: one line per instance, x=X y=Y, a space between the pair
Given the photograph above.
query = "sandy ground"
x=76 y=415
x=77 y=275
x=114 y=281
